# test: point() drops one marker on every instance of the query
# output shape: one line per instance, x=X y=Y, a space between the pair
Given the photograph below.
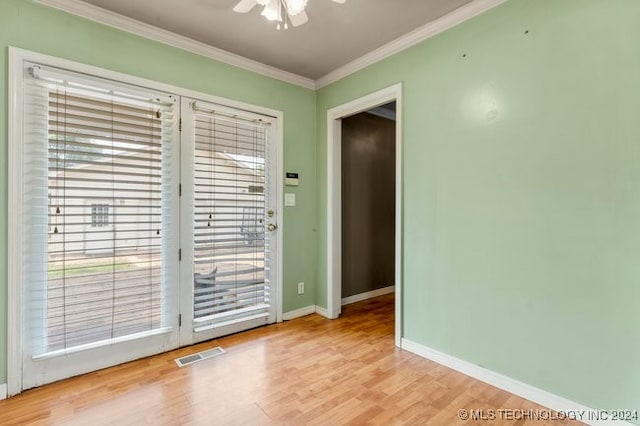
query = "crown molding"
x=458 y=16
x=115 y=20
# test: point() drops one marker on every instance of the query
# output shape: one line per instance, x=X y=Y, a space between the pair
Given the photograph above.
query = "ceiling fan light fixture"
x=285 y=12
x=271 y=11
x=295 y=7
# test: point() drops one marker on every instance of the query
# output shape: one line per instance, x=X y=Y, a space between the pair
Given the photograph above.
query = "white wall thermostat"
x=292 y=179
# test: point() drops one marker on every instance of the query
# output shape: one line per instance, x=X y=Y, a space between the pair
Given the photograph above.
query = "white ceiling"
x=334 y=36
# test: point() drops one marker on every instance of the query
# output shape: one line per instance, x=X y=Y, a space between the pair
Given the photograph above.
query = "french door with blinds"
x=229 y=243
x=99 y=223
x=146 y=221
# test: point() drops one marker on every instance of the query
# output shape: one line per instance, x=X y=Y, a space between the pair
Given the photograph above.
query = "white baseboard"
x=523 y=390
x=368 y=295
x=3 y=391
x=323 y=311
x=307 y=310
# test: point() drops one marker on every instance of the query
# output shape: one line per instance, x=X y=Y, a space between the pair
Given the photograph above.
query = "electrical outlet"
x=300 y=288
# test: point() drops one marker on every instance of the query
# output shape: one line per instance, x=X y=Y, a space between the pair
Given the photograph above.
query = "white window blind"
x=231 y=250
x=98 y=202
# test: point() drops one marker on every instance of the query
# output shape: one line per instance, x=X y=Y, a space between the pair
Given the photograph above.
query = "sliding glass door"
x=229 y=241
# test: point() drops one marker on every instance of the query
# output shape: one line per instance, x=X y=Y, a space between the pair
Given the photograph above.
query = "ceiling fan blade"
x=245 y=6
x=299 y=19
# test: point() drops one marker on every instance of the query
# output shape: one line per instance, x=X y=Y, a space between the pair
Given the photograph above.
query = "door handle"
x=272 y=227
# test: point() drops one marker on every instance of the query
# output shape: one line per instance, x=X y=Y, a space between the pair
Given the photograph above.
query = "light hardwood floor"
x=306 y=371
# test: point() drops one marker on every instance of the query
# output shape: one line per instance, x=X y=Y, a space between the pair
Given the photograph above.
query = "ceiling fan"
x=285 y=12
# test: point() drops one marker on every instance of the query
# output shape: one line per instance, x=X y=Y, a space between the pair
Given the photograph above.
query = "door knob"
x=272 y=227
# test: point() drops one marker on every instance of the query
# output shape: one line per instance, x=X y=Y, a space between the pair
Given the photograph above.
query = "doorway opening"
x=364 y=208
x=368 y=203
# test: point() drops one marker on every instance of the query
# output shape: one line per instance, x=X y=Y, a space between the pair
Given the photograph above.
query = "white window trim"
x=334 y=198
x=17 y=58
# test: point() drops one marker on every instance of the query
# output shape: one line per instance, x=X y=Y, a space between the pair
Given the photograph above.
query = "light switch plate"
x=289 y=200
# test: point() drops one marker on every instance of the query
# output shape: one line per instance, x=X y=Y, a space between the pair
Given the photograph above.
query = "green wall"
x=521 y=193
x=521 y=207
x=45 y=30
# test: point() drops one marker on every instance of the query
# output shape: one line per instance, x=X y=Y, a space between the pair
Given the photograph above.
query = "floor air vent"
x=190 y=359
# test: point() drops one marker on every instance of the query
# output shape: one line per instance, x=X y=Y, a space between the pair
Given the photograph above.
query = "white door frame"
x=334 y=197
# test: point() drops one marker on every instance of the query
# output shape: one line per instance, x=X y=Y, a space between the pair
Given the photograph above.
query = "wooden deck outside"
x=92 y=307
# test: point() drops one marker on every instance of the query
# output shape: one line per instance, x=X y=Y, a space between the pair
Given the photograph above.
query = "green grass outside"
x=56 y=271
